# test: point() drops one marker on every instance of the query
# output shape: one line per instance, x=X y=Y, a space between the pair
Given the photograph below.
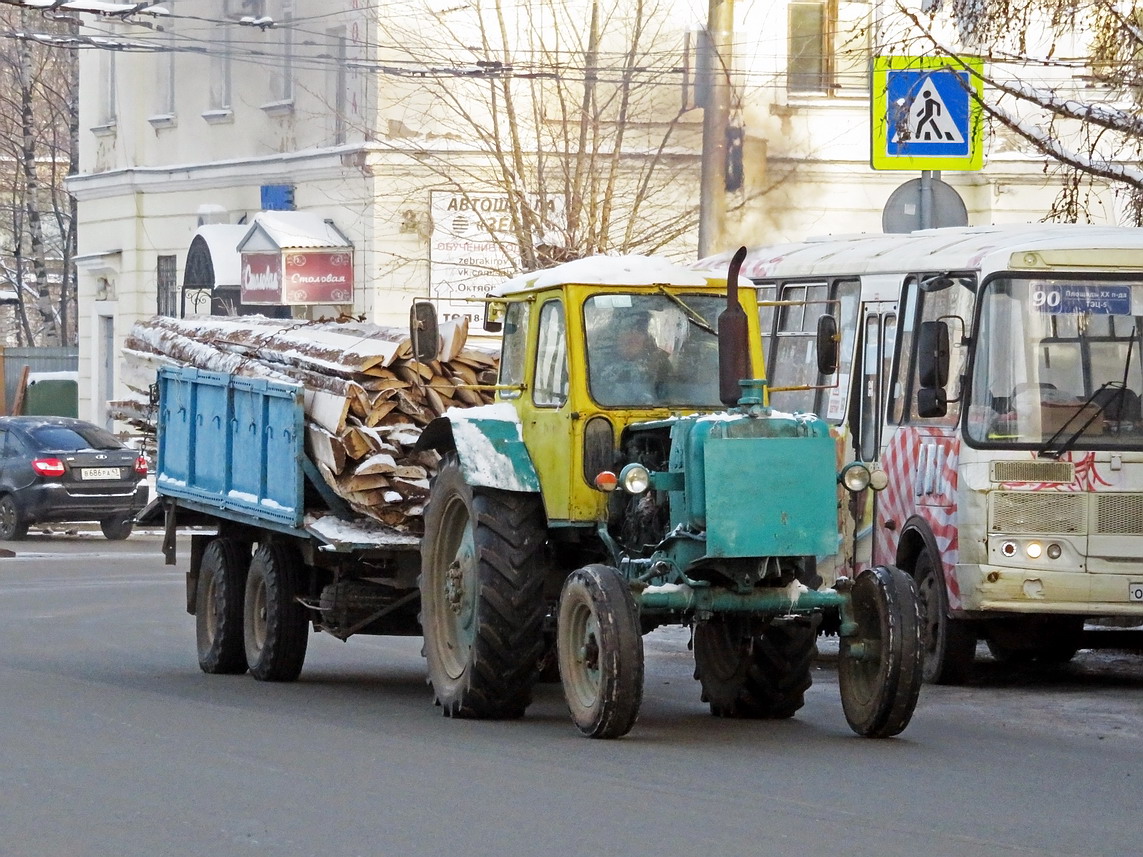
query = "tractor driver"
x=627 y=365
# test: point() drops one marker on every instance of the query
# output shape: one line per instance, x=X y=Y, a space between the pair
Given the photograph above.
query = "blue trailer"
x=269 y=539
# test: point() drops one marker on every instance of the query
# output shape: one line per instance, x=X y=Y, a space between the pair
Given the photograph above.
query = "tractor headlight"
x=635 y=479
x=855 y=477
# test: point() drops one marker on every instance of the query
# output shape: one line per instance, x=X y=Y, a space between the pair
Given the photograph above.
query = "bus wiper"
x=1120 y=387
x=1050 y=451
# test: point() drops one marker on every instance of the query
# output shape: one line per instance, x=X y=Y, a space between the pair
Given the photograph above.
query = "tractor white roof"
x=609 y=271
x=948 y=249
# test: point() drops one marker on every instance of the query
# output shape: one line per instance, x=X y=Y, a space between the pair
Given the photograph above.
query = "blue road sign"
x=924 y=114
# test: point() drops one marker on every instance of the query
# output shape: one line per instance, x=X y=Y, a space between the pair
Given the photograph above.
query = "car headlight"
x=634 y=479
x=855 y=477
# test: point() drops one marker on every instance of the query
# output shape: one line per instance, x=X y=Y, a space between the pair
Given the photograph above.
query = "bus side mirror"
x=932 y=402
x=827 y=345
x=423 y=332
x=933 y=354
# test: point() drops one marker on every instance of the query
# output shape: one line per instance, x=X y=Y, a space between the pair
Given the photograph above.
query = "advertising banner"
x=474 y=248
x=262 y=278
x=318 y=277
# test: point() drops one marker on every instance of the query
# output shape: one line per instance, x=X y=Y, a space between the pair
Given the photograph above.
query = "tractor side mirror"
x=827 y=345
x=494 y=317
x=423 y=331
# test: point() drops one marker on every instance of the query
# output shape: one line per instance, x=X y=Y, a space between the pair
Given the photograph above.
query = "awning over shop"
x=213 y=259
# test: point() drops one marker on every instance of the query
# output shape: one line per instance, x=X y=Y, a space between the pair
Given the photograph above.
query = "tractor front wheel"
x=880 y=666
x=600 y=652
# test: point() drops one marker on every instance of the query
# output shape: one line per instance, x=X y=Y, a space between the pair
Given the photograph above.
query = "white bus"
x=995 y=375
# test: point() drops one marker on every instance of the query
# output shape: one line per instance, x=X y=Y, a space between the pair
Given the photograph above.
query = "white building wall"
x=151 y=168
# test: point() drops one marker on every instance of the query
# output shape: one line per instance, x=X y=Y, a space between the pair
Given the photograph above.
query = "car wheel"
x=13 y=525
x=117 y=527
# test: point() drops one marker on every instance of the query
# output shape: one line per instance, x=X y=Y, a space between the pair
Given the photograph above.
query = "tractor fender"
x=489 y=445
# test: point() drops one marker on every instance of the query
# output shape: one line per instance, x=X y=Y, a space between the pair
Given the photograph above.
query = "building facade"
x=417 y=129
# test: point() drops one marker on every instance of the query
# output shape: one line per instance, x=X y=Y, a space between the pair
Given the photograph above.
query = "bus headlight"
x=1033 y=549
x=1054 y=551
x=878 y=480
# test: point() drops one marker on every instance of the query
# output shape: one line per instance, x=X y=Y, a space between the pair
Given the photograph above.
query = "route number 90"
x=1050 y=299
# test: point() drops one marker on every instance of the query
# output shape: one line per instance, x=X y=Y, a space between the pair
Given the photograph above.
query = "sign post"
x=926 y=115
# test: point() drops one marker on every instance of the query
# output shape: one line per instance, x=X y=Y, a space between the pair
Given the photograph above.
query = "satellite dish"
x=902 y=213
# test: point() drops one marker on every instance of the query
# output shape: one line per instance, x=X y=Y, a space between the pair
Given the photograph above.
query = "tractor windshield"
x=653 y=350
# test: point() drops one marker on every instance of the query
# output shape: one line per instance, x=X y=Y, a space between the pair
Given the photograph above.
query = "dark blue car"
x=57 y=469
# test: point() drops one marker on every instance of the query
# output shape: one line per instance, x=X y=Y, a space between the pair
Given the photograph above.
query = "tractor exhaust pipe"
x=733 y=354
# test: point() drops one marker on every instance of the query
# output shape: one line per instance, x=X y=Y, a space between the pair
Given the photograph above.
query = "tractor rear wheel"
x=880 y=667
x=750 y=675
x=600 y=652
x=482 y=605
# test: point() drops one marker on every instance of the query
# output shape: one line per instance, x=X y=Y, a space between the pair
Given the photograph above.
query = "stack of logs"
x=366 y=400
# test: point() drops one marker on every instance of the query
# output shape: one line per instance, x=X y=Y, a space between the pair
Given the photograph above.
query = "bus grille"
x=1037 y=512
x=1118 y=514
x=1033 y=471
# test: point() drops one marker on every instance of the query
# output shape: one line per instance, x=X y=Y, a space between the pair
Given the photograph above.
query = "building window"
x=829 y=47
x=107 y=88
x=168 y=286
x=165 y=69
x=282 y=74
x=806 y=65
x=337 y=84
x=220 y=70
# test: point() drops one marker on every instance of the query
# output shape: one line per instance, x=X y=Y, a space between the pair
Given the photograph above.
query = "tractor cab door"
x=545 y=408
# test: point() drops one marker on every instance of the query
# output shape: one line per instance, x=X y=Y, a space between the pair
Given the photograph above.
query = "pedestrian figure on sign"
x=930 y=110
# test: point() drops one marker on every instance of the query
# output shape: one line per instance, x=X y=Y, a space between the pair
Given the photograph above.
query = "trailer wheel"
x=13 y=524
x=751 y=675
x=600 y=652
x=879 y=668
x=482 y=606
x=949 y=644
x=276 y=625
x=218 y=607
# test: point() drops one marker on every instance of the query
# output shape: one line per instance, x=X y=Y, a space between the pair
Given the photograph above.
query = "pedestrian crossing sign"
x=926 y=113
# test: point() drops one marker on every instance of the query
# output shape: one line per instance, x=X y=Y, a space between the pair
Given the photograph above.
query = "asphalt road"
x=112 y=742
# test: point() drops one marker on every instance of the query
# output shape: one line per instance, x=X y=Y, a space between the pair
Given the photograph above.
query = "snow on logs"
x=366 y=400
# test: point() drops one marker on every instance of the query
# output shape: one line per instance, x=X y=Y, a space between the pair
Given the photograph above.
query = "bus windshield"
x=1058 y=364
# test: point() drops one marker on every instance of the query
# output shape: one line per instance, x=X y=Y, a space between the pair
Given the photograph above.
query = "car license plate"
x=99 y=473
x=1135 y=591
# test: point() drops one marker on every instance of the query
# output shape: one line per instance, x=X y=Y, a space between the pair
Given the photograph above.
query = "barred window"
x=168 y=286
